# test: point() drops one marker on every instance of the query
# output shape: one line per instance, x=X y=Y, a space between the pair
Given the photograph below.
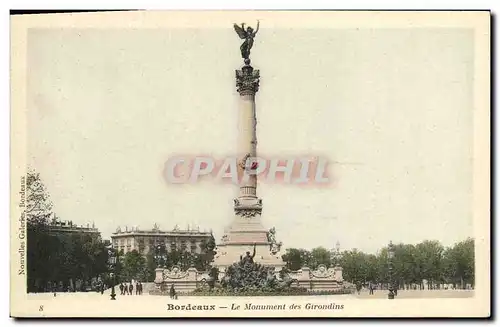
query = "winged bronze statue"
x=248 y=35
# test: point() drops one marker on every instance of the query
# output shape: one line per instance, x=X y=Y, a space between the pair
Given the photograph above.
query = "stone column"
x=306 y=274
x=247 y=83
x=158 y=275
x=192 y=272
x=338 y=274
x=222 y=273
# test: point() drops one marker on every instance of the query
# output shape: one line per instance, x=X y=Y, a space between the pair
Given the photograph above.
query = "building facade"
x=144 y=241
x=60 y=227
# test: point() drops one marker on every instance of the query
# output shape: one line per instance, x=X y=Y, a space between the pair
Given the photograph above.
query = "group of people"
x=372 y=287
x=129 y=289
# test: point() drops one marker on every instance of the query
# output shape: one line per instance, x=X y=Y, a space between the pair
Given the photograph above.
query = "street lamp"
x=335 y=254
x=113 y=259
x=390 y=255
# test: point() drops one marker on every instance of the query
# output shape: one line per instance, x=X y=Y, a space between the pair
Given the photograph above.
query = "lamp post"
x=390 y=255
x=113 y=294
x=335 y=255
x=113 y=259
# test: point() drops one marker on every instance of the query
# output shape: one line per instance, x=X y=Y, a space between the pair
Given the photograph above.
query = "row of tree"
x=58 y=260
x=412 y=264
x=77 y=261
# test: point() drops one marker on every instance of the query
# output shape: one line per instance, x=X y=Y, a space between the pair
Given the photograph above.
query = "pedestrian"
x=131 y=288
x=102 y=288
x=173 y=293
x=371 y=288
x=121 y=289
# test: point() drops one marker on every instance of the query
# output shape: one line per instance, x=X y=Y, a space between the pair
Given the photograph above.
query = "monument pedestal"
x=240 y=238
x=246 y=229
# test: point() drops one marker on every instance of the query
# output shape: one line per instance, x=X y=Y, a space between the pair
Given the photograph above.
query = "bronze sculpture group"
x=246 y=276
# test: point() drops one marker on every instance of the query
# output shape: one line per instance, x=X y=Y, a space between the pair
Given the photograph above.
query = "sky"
x=391 y=109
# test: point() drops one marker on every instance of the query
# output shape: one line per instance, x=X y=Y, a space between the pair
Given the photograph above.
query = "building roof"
x=73 y=229
x=65 y=226
x=155 y=231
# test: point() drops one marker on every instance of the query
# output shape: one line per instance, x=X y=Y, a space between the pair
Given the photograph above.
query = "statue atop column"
x=248 y=35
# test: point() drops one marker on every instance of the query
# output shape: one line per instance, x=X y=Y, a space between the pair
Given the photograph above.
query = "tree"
x=320 y=256
x=294 y=258
x=412 y=264
x=94 y=255
x=404 y=265
x=458 y=263
x=428 y=258
x=355 y=267
x=372 y=264
x=41 y=263
x=133 y=265
x=149 y=271
x=202 y=261
x=38 y=203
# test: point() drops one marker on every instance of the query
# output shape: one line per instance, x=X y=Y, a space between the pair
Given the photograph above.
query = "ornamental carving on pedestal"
x=247 y=212
x=175 y=273
x=323 y=272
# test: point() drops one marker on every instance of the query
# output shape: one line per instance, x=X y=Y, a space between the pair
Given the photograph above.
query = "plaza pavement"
x=416 y=294
x=364 y=294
